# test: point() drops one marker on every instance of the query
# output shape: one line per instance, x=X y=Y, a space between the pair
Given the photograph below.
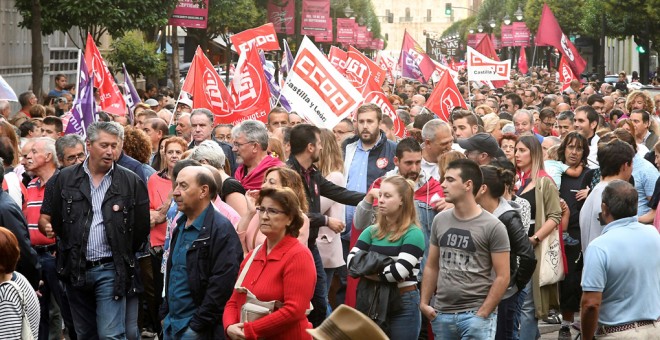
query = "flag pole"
x=80 y=55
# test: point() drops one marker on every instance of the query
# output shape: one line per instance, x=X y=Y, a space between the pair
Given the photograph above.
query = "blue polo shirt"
x=645 y=175
x=623 y=264
x=357 y=179
x=179 y=298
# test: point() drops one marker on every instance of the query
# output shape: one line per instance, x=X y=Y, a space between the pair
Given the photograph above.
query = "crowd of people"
x=530 y=205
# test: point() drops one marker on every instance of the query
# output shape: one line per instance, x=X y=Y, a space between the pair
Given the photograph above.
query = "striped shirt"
x=35 y=195
x=11 y=309
x=406 y=252
x=97 y=244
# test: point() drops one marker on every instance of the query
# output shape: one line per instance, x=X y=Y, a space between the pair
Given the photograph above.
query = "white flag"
x=480 y=67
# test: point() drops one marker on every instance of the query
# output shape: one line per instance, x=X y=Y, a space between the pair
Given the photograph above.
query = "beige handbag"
x=253 y=309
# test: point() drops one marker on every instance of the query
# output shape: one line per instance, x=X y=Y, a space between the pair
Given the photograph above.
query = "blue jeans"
x=406 y=323
x=188 y=334
x=529 y=324
x=97 y=312
x=132 y=306
x=50 y=288
x=319 y=299
x=464 y=326
x=508 y=317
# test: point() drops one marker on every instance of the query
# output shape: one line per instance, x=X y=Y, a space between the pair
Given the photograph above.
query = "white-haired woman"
x=231 y=191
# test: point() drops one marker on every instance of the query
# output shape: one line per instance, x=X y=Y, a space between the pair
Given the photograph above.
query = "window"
x=428 y=15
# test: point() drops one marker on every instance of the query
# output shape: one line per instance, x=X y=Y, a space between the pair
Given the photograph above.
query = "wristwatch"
x=536 y=238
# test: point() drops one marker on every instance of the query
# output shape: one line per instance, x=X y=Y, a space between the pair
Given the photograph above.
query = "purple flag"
x=84 y=106
x=131 y=96
x=274 y=88
x=287 y=59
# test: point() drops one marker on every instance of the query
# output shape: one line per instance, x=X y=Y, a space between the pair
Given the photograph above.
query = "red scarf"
x=254 y=179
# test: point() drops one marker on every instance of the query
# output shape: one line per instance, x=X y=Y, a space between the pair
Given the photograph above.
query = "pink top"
x=253 y=237
x=226 y=210
x=329 y=242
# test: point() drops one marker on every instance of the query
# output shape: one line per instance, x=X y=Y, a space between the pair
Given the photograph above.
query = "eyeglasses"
x=268 y=211
x=81 y=156
x=549 y=123
x=238 y=145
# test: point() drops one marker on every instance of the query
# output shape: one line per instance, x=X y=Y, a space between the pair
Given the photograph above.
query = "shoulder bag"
x=26 y=330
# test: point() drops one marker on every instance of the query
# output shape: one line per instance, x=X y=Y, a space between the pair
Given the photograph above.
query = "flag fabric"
x=386 y=62
x=550 y=34
x=379 y=98
x=275 y=95
x=480 y=67
x=84 y=106
x=440 y=69
x=337 y=58
x=364 y=74
x=263 y=37
x=565 y=74
x=522 y=61
x=445 y=97
x=414 y=62
x=317 y=90
x=206 y=89
x=6 y=92
x=287 y=58
x=112 y=100
x=249 y=89
x=487 y=48
x=130 y=93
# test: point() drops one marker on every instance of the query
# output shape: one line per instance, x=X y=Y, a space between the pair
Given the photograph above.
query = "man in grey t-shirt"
x=467 y=245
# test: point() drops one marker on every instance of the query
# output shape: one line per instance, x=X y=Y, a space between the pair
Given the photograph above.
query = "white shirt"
x=431 y=168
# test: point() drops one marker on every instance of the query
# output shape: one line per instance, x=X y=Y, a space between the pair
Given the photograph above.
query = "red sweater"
x=159 y=188
x=288 y=275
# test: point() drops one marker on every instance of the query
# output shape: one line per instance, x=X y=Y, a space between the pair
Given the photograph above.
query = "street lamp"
x=361 y=21
x=471 y=30
x=480 y=28
x=518 y=14
x=507 y=20
x=491 y=23
x=348 y=11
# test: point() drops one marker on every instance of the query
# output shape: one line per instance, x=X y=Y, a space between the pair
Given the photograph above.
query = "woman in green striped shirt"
x=397 y=235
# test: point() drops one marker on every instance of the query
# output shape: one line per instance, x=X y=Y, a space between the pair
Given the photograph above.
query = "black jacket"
x=521 y=249
x=125 y=211
x=11 y=217
x=212 y=264
x=319 y=186
x=377 y=300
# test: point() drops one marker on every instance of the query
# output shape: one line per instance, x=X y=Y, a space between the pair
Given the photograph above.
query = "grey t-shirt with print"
x=466 y=269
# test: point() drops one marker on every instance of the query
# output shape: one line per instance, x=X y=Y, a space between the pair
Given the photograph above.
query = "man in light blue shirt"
x=621 y=276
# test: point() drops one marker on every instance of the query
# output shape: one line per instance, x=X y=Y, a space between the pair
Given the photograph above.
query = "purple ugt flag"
x=84 y=106
x=131 y=96
x=275 y=94
x=287 y=59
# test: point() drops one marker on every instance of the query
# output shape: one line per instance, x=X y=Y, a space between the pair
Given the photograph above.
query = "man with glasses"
x=343 y=130
x=547 y=122
x=479 y=99
x=278 y=117
x=565 y=123
x=512 y=103
x=596 y=101
x=251 y=144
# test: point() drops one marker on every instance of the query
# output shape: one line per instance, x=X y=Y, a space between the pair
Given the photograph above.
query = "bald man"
x=418 y=100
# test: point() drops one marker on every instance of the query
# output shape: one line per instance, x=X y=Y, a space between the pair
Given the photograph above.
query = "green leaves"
x=139 y=56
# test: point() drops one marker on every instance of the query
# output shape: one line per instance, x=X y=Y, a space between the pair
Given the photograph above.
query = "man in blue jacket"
x=205 y=254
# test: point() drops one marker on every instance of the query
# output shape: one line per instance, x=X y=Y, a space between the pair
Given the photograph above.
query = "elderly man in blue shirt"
x=621 y=276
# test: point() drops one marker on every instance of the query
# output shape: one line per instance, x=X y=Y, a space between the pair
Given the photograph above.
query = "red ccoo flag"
x=550 y=34
x=445 y=97
x=249 y=89
x=205 y=86
x=112 y=100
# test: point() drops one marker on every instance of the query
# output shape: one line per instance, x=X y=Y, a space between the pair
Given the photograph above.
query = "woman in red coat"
x=282 y=270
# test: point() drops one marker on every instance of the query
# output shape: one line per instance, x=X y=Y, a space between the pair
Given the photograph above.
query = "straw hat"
x=346 y=323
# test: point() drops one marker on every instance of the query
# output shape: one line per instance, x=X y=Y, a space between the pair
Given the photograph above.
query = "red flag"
x=415 y=63
x=379 y=98
x=565 y=74
x=550 y=34
x=337 y=58
x=445 y=97
x=205 y=86
x=386 y=62
x=263 y=37
x=522 y=61
x=249 y=89
x=363 y=73
x=112 y=100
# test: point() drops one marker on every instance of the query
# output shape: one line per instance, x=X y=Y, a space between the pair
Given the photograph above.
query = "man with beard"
x=305 y=144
